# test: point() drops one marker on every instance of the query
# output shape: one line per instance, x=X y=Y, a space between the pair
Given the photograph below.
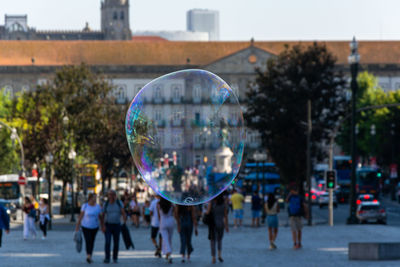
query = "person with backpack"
x=4 y=222
x=272 y=209
x=89 y=220
x=112 y=211
x=296 y=209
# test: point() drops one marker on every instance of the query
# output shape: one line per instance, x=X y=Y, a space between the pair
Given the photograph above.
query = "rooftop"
x=145 y=51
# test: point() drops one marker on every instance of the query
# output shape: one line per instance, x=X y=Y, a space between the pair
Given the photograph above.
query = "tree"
x=93 y=122
x=9 y=158
x=383 y=144
x=277 y=106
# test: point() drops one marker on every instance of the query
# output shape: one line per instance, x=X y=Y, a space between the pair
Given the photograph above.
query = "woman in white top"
x=89 y=220
x=44 y=216
x=272 y=210
x=167 y=224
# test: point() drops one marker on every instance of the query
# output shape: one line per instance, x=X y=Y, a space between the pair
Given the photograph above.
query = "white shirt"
x=155 y=222
x=91 y=218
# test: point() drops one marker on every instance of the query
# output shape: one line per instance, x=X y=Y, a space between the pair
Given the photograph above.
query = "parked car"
x=323 y=199
x=11 y=209
x=366 y=198
x=314 y=196
x=371 y=211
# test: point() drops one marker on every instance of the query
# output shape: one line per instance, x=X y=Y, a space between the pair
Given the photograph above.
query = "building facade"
x=179 y=109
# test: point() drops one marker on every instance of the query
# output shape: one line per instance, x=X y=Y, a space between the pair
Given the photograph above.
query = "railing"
x=177 y=100
x=177 y=123
x=121 y=101
x=161 y=123
x=198 y=123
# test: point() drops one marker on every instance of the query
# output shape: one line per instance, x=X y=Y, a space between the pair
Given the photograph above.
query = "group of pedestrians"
x=296 y=211
x=35 y=212
x=107 y=218
x=164 y=217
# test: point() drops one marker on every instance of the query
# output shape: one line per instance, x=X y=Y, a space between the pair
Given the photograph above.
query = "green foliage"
x=9 y=153
x=277 y=106
x=94 y=127
x=383 y=144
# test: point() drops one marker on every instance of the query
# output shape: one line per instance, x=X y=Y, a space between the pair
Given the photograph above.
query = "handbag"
x=78 y=240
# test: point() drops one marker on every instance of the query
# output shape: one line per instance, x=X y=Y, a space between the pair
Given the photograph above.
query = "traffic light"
x=330 y=180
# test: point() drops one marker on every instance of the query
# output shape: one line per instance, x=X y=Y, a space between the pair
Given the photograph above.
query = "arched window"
x=115 y=17
x=122 y=15
x=16 y=27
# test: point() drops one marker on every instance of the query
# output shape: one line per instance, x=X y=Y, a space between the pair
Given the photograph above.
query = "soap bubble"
x=186 y=134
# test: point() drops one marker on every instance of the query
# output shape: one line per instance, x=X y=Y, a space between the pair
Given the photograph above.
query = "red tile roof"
x=55 y=53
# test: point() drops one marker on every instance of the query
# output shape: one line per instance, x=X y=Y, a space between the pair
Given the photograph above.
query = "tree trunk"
x=63 y=209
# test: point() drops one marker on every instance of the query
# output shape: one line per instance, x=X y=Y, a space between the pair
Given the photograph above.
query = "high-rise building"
x=204 y=20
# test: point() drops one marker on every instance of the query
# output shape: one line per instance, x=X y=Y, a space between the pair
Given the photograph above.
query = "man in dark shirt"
x=255 y=209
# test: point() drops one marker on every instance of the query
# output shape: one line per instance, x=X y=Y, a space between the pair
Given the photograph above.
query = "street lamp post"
x=72 y=156
x=354 y=59
x=49 y=160
x=373 y=133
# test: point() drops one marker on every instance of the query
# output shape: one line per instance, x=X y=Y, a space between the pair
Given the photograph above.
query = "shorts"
x=256 y=213
x=238 y=214
x=154 y=232
x=296 y=223
x=137 y=213
x=272 y=221
x=147 y=218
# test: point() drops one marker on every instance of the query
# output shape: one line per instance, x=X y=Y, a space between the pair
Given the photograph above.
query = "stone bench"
x=374 y=251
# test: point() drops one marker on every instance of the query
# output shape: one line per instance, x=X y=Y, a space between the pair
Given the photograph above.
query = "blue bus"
x=261 y=176
x=342 y=165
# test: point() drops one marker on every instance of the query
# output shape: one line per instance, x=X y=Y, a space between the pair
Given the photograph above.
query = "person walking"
x=112 y=211
x=237 y=200
x=272 y=209
x=43 y=216
x=146 y=212
x=166 y=216
x=296 y=209
x=218 y=212
x=135 y=210
x=4 y=222
x=155 y=226
x=255 y=209
x=29 y=219
x=89 y=220
x=186 y=220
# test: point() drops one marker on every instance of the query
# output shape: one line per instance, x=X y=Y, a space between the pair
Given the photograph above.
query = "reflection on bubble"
x=186 y=135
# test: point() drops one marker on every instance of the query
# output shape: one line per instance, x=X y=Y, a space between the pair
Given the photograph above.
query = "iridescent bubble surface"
x=186 y=134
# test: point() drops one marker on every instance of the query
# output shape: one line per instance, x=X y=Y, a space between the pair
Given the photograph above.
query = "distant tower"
x=115 y=20
x=204 y=20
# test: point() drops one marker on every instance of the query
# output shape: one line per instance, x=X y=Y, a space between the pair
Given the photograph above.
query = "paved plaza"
x=246 y=246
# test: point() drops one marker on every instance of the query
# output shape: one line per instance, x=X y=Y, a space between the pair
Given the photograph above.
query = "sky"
x=239 y=19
